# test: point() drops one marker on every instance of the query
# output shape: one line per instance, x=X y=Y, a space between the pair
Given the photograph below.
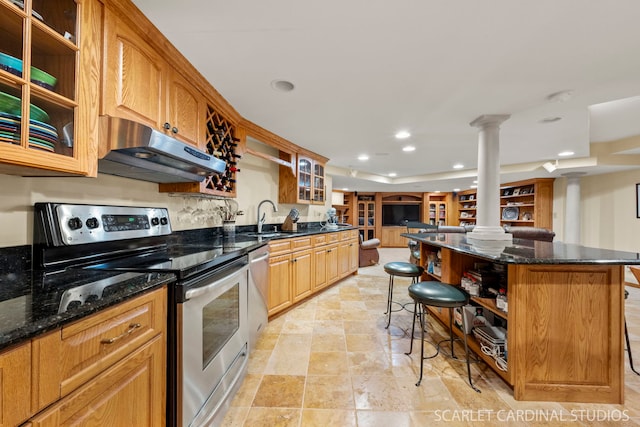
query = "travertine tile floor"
x=331 y=362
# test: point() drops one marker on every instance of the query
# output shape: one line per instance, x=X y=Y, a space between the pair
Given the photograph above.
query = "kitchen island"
x=565 y=316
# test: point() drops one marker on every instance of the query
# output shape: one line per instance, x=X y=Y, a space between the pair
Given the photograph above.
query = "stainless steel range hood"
x=137 y=151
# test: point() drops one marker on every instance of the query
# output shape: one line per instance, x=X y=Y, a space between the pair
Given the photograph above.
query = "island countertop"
x=524 y=251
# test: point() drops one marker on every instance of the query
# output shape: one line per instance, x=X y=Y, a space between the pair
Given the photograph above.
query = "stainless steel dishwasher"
x=258 y=291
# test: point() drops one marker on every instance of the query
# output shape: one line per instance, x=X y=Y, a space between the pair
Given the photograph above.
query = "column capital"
x=487 y=120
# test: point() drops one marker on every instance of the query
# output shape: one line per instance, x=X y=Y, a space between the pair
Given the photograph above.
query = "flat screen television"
x=398 y=214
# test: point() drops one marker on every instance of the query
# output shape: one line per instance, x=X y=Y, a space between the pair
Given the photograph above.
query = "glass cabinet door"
x=38 y=82
x=304 y=179
x=318 y=183
x=371 y=214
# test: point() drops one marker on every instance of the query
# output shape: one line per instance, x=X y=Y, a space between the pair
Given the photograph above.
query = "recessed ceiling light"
x=473 y=186
x=409 y=148
x=403 y=134
x=566 y=153
x=562 y=96
x=393 y=174
x=345 y=189
x=550 y=119
x=282 y=85
x=363 y=157
x=456 y=189
x=458 y=166
x=475 y=181
x=437 y=191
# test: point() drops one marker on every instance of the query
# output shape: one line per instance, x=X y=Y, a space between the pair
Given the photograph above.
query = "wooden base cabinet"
x=300 y=267
x=129 y=393
x=108 y=368
x=15 y=385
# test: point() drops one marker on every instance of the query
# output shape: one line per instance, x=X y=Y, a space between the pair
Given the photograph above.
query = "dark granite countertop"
x=32 y=301
x=522 y=251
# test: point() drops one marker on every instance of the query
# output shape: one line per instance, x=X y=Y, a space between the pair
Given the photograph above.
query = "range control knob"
x=155 y=221
x=92 y=223
x=75 y=223
x=164 y=220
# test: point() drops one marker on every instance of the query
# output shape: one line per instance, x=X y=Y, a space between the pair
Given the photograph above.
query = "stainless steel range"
x=207 y=323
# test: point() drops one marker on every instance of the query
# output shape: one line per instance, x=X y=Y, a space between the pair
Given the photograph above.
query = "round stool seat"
x=403 y=269
x=438 y=294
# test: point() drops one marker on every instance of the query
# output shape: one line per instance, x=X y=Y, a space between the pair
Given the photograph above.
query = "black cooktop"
x=182 y=259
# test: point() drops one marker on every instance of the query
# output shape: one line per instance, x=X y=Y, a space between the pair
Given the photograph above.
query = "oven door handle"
x=196 y=292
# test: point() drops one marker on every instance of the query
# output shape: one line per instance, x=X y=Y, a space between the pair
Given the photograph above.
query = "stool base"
x=420 y=311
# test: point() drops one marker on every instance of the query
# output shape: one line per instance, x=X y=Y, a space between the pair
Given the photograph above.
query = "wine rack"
x=222 y=143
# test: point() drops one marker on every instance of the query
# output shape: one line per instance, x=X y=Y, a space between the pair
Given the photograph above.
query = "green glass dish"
x=12 y=105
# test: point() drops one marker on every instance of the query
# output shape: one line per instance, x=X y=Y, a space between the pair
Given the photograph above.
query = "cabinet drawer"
x=345 y=235
x=84 y=349
x=333 y=237
x=279 y=246
x=319 y=240
x=301 y=243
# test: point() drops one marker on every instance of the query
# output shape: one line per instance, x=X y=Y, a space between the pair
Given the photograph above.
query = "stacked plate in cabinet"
x=42 y=136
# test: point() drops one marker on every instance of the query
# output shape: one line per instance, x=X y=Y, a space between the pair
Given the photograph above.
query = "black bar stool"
x=437 y=294
x=402 y=269
x=626 y=337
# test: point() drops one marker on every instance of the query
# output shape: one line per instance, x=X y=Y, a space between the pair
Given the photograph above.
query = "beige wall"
x=608 y=210
x=258 y=180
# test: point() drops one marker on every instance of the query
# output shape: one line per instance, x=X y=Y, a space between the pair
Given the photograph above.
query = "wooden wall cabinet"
x=307 y=186
x=34 y=33
x=140 y=85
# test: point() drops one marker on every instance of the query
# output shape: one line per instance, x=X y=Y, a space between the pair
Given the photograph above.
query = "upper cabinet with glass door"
x=42 y=94
x=307 y=187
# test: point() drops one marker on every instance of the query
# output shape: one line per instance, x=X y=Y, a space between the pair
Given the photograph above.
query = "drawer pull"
x=132 y=327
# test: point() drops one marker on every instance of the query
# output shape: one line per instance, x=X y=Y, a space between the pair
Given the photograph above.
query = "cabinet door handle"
x=174 y=129
x=328 y=250
x=132 y=327
x=294 y=260
x=166 y=125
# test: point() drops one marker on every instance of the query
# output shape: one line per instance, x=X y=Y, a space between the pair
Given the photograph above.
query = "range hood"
x=133 y=150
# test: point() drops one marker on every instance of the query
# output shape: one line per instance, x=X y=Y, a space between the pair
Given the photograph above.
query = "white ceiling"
x=365 y=69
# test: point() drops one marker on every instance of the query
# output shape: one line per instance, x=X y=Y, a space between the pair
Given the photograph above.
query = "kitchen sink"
x=263 y=235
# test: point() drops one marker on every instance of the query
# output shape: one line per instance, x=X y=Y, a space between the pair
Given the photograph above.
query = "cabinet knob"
x=174 y=129
x=166 y=125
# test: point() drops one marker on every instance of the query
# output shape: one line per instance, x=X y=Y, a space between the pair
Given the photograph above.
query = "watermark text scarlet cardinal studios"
x=532 y=415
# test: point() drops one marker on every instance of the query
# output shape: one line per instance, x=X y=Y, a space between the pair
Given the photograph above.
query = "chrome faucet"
x=262 y=219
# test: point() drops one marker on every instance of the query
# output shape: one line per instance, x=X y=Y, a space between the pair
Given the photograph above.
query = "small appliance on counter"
x=332 y=219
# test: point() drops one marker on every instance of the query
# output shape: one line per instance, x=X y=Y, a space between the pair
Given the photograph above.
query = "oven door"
x=214 y=336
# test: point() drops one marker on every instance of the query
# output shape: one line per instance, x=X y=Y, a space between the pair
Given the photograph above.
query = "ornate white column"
x=488 y=200
x=572 y=208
